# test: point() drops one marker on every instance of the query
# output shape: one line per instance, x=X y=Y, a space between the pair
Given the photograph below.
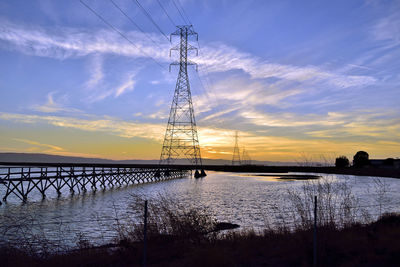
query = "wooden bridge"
x=21 y=179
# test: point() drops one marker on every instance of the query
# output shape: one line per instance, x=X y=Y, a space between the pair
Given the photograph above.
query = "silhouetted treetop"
x=361 y=159
x=342 y=161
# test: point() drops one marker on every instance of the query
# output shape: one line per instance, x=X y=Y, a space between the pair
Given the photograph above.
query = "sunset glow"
x=322 y=86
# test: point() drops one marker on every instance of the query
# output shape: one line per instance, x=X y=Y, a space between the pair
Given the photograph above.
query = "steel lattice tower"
x=245 y=160
x=181 y=139
x=236 y=154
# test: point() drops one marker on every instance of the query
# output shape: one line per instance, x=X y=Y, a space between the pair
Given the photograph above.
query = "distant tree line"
x=360 y=159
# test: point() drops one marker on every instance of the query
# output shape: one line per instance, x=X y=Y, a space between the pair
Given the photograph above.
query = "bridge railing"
x=21 y=181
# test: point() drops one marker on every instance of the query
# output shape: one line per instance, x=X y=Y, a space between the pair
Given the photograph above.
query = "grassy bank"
x=374 y=244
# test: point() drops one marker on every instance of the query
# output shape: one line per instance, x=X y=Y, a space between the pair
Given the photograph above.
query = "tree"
x=342 y=161
x=361 y=159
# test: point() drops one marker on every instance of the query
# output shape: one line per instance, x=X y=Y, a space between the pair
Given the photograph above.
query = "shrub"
x=342 y=161
x=168 y=218
x=337 y=205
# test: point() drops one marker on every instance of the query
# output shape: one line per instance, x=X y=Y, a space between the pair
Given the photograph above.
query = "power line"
x=208 y=79
x=187 y=17
x=181 y=138
x=206 y=93
x=210 y=84
x=150 y=18
x=180 y=13
x=166 y=13
x=120 y=33
x=137 y=26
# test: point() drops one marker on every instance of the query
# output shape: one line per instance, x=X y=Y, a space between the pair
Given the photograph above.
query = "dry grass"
x=337 y=206
x=357 y=245
x=168 y=218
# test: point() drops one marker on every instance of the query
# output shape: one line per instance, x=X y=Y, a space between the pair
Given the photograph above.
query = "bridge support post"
x=315 y=233
x=20 y=181
x=145 y=234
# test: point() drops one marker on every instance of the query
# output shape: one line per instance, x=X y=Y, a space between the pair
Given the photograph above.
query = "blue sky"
x=315 y=78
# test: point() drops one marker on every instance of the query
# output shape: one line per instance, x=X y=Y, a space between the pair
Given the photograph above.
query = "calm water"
x=246 y=199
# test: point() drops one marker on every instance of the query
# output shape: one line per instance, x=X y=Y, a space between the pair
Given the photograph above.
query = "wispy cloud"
x=219 y=114
x=52 y=107
x=253 y=93
x=293 y=119
x=387 y=28
x=35 y=143
x=161 y=114
x=223 y=58
x=236 y=93
x=96 y=71
x=105 y=124
x=127 y=85
x=336 y=125
x=62 y=43
x=73 y=42
x=217 y=142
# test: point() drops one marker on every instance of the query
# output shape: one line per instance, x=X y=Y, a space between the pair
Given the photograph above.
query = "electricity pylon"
x=181 y=140
x=245 y=160
x=236 y=153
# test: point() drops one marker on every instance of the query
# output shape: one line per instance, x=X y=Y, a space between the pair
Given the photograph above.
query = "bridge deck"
x=21 y=179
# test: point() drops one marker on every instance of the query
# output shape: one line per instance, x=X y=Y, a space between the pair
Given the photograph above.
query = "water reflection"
x=249 y=200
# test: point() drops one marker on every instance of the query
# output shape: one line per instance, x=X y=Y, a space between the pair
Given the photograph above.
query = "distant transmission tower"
x=181 y=140
x=236 y=153
x=246 y=160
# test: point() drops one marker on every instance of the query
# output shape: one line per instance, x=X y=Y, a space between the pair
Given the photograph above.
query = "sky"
x=298 y=80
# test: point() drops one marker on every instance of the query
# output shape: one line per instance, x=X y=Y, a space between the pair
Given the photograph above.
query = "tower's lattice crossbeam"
x=22 y=181
x=181 y=141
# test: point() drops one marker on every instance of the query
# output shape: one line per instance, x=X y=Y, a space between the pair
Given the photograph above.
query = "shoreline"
x=366 y=171
x=374 y=243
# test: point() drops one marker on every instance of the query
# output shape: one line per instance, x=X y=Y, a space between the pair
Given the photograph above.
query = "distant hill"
x=46 y=158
